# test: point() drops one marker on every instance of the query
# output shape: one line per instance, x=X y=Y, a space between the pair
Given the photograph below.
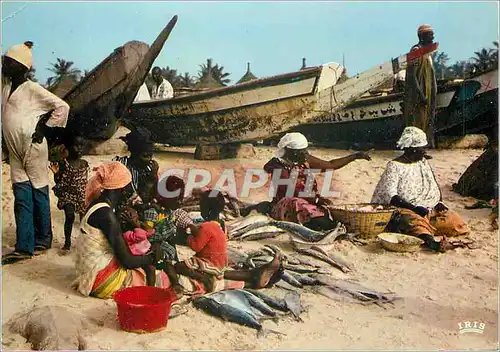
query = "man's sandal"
x=14 y=257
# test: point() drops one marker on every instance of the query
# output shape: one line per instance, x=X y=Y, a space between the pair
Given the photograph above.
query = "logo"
x=254 y=179
x=471 y=327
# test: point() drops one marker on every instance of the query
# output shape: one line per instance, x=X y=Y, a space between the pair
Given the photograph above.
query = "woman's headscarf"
x=294 y=140
x=111 y=175
x=412 y=137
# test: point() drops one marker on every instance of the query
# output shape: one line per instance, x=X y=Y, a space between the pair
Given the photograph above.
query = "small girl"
x=70 y=176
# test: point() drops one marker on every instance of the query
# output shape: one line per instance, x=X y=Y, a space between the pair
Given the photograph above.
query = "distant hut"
x=248 y=76
x=207 y=81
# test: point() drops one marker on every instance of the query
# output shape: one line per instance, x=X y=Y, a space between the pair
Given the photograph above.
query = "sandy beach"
x=439 y=290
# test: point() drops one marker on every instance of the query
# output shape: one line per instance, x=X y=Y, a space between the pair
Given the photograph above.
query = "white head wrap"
x=412 y=137
x=21 y=53
x=294 y=140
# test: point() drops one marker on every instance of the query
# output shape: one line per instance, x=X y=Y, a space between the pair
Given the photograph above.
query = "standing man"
x=162 y=88
x=27 y=110
x=421 y=88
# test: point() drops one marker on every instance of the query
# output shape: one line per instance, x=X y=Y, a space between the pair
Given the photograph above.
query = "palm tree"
x=217 y=72
x=62 y=69
x=460 y=69
x=440 y=61
x=186 y=80
x=31 y=75
x=495 y=54
x=483 y=59
x=170 y=75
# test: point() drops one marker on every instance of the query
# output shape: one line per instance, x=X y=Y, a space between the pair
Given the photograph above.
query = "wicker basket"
x=398 y=242
x=368 y=224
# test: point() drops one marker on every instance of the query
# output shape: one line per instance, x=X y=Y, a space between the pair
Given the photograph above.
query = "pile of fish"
x=249 y=307
x=300 y=272
x=257 y=227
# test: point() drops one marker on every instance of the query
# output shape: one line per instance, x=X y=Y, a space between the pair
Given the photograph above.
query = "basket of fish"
x=367 y=220
x=397 y=242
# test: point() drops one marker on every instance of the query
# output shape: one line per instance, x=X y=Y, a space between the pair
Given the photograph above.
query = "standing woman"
x=23 y=129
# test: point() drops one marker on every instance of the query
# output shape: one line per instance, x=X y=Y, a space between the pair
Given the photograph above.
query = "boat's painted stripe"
x=232 y=101
x=238 y=88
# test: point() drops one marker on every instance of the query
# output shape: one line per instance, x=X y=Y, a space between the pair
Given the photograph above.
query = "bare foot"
x=64 y=251
x=267 y=271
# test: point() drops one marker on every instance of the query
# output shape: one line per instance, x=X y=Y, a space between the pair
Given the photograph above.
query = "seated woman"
x=408 y=183
x=104 y=264
x=309 y=211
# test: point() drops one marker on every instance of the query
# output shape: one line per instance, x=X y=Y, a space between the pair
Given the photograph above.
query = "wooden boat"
x=103 y=96
x=260 y=108
x=464 y=107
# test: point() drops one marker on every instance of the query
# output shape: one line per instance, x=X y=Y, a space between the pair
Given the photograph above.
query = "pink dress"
x=137 y=240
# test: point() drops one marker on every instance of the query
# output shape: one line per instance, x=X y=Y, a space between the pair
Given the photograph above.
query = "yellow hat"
x=21 y=53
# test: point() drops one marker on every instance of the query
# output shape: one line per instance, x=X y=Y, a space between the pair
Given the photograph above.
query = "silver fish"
x=306 y=234
x=300 y=269
x=334 y=257
x=307 y=262
x=259 y=236
x=254 y=226
x=293 y=303
x=321 y=256
x=265 y=228
x=240 y=224
x=236 y=306
x=306 y=280
x=288 y=278
x=275 y=303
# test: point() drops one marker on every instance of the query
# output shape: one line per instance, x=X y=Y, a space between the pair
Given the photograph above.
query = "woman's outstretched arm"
x=335 y=164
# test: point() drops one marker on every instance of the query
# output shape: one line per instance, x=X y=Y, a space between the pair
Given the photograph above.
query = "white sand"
x=439 y=290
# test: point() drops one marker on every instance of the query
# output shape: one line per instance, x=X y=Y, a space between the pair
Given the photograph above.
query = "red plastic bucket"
x=143 y=308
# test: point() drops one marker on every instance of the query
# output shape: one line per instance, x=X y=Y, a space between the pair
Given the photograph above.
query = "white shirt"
x=20 y=115
x=414 y=182
x=163 y=91
x=142 y=94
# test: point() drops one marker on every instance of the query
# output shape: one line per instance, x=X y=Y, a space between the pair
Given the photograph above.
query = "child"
x=209 y=242
x=70 y=176
x=137 y=240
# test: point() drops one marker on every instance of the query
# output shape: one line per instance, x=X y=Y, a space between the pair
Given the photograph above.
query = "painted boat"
x=464 y=107
x=260 y=108
x=103 y=96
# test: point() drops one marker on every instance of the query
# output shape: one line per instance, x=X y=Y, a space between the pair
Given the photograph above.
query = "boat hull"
x=261 y=108
x=468 y=108
x=104 y=95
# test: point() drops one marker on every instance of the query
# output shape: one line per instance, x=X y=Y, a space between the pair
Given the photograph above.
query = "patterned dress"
x=71 y=182
x=294 y=208
x=414 y=182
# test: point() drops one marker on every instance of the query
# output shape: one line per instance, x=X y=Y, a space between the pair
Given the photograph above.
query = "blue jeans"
x=32 y=212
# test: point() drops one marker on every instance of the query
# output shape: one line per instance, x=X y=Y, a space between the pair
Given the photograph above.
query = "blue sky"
x=273 y=36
